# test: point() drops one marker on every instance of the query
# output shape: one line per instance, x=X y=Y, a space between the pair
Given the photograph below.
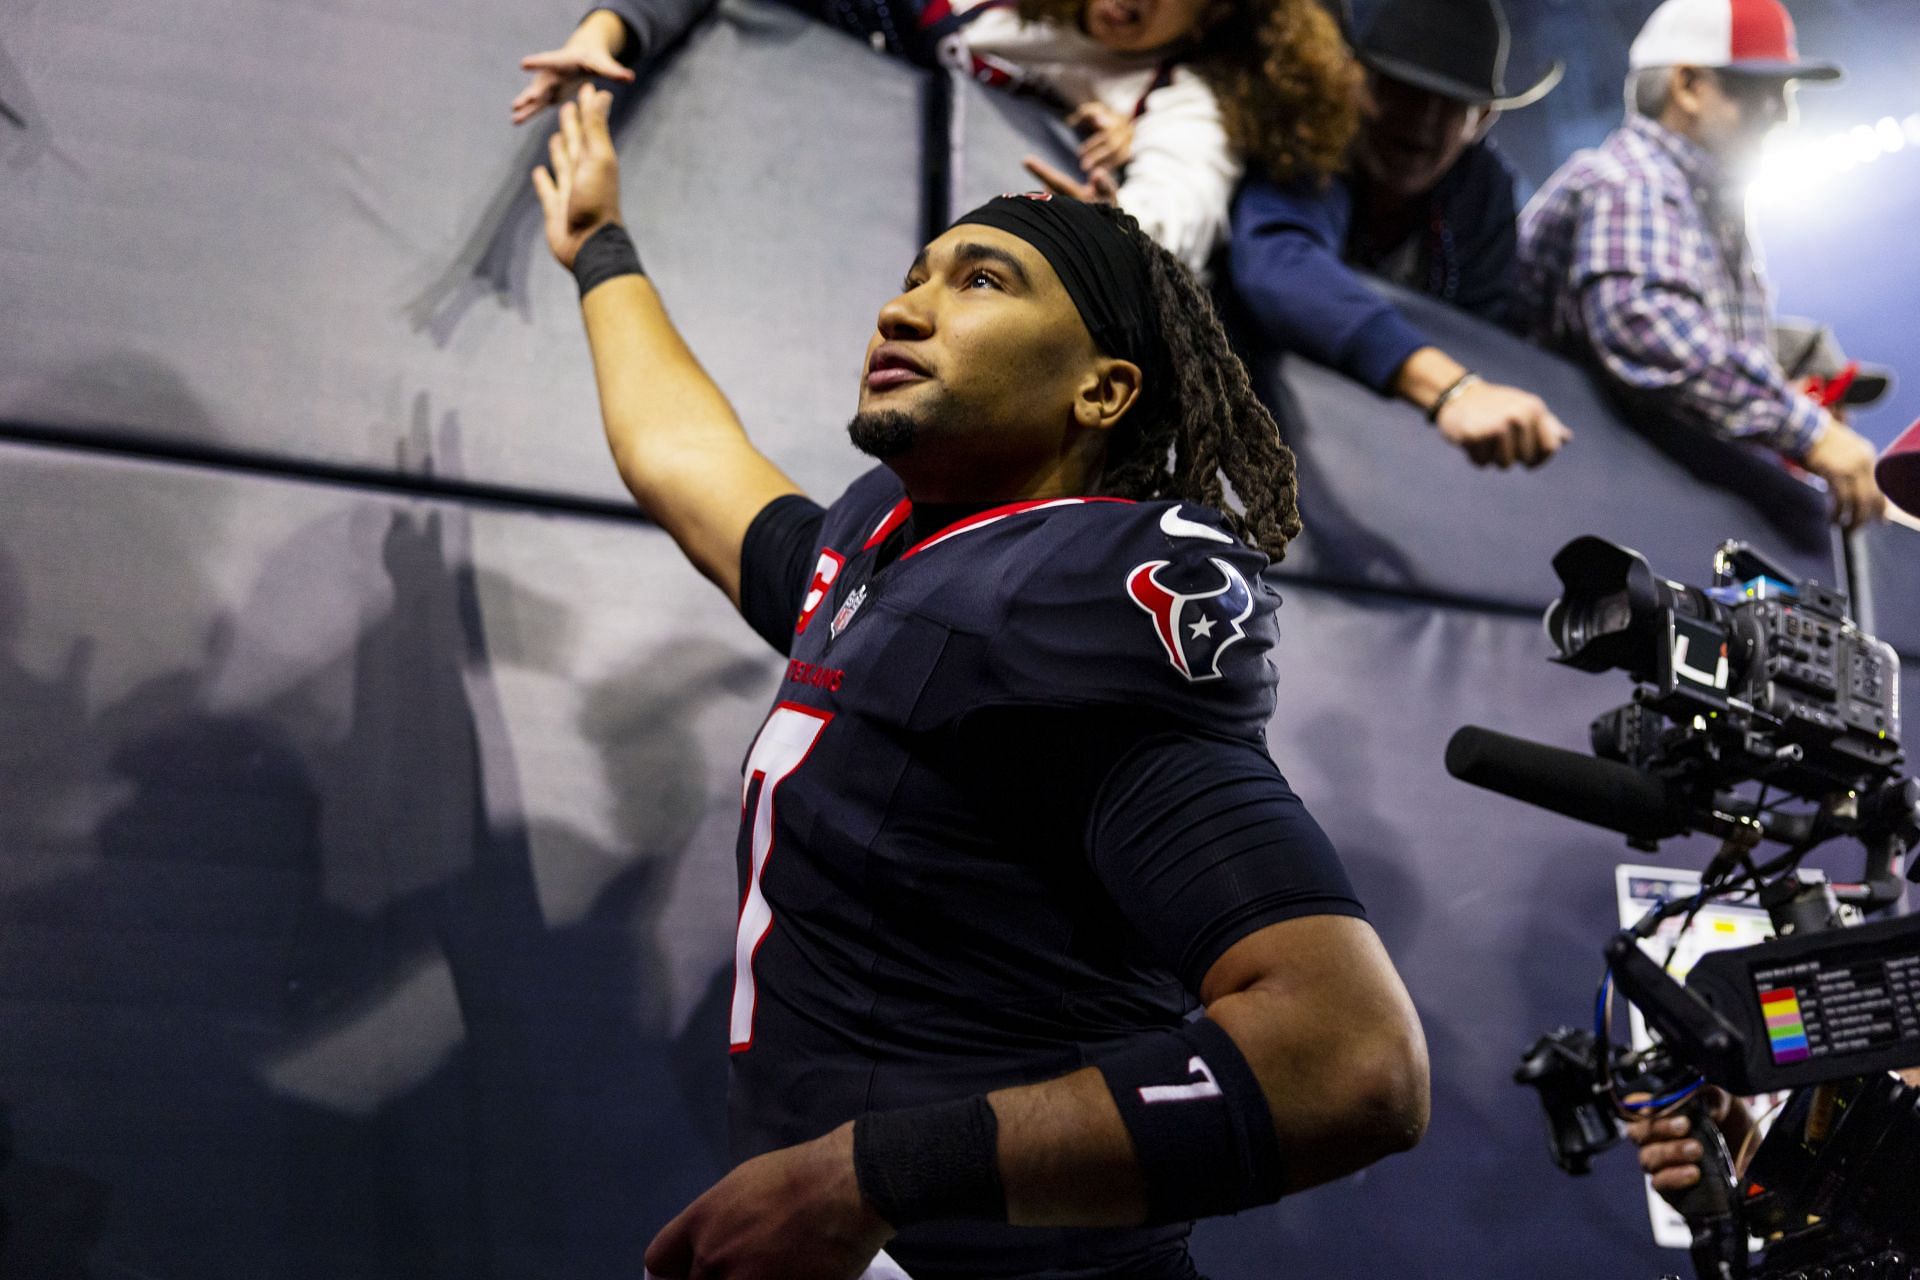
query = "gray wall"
x=367 y=767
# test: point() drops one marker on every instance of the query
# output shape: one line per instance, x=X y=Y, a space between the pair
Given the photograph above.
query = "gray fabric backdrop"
x=367 y=776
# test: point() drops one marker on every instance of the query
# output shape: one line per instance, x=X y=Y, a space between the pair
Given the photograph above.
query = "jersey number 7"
x=784 y=742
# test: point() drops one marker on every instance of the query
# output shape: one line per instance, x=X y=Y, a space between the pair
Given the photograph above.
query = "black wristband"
x=1201 y=1128
x=937 y=1161
x=608 y=252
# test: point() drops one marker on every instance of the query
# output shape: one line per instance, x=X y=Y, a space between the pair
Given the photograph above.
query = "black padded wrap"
x=1105 y=274
x=1201 y=1128
x=608 y=252
x=938 y=1161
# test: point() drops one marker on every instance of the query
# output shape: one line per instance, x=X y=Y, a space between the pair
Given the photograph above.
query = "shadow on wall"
x=291 y=1005
x=505 y=238
x=25 y=137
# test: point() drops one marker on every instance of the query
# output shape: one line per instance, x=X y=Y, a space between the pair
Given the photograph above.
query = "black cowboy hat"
x=1455 y=48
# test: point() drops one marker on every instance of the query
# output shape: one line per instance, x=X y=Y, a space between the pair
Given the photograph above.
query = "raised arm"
x=676 y=441
x=1301 y=296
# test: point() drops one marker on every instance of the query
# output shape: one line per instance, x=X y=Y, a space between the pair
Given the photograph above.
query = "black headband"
x=1104 y=273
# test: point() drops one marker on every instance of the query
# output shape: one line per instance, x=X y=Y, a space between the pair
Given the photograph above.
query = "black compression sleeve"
x=776 y=561
x=1201 y=842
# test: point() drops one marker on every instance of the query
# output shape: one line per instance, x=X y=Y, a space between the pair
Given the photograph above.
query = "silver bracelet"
x=1452 y=393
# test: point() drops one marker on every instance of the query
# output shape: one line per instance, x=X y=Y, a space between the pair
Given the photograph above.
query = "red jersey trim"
x=982 y=519
x=891 y=521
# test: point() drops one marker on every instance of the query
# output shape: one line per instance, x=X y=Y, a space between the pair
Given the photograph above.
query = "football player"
x=1039 y=958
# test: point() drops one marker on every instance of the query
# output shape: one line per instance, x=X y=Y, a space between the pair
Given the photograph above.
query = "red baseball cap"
x=1898 y=471
x=1751 y=37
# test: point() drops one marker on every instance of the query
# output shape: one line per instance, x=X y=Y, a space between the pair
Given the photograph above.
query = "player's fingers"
x=570 y=131
x=1081 y=114
x=549 y=194
x=558 y=160
x=595 y=107
x=1104 y=188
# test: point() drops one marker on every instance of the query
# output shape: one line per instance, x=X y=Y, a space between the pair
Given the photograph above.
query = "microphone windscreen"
x=1605 y=793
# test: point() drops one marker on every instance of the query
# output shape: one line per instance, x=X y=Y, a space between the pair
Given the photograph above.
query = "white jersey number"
x=783 y=744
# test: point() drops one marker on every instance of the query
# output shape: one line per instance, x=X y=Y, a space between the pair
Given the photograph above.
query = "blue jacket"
x=1295 y=249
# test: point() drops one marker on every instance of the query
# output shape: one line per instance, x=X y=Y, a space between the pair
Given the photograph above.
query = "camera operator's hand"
x=1844 y=459
x=1671 y=1154
x=582 y=194
x=592 y=50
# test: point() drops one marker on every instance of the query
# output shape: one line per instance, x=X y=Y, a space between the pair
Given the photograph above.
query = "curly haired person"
x=1174 y=98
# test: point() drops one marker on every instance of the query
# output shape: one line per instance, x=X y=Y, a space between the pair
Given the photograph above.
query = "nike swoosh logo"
x=1174 y=525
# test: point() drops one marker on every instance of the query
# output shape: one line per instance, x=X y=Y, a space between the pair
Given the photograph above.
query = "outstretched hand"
x=1099 y=187
x=1106 y=137
x=582 y=193
x=1499 y=426
x=792 y=1214
x=559 y=73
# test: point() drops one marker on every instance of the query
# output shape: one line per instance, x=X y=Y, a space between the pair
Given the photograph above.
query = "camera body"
x=1761 y=676
x=1757 y=692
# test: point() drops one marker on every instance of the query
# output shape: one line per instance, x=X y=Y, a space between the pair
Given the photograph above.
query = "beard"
x=883 y=433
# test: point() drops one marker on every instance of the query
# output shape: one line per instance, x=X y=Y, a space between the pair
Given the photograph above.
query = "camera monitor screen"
x=1856 y=998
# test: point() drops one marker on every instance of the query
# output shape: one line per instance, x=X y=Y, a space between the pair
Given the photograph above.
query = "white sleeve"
x=1180 y=181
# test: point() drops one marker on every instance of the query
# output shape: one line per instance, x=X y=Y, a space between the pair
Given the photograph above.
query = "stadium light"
x=1795 y=166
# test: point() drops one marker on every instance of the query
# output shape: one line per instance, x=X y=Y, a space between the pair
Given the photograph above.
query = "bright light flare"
x=1794 y=166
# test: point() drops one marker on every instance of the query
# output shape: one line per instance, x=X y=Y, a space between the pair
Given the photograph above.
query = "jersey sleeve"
x=1197 y=840
x=1201 y=842
x=775 y=557
x=1154 y=608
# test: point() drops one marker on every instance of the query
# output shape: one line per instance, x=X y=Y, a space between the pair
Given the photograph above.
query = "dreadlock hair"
x=1207 y=430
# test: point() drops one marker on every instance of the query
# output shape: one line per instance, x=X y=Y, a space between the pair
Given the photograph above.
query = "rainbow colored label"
x=1786 y=1030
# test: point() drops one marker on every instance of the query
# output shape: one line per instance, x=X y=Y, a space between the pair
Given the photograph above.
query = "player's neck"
x=927 y=519
x=943 y=482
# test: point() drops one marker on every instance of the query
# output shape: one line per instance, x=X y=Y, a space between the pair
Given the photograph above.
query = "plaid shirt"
x=1635 y=256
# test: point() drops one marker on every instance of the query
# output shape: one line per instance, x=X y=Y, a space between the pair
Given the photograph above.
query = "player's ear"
x=1109 y=390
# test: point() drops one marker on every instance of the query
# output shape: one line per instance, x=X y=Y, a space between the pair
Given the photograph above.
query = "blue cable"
x=1606 y=1048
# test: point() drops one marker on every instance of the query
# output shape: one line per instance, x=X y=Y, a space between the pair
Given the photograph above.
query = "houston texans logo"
x=1195 y=627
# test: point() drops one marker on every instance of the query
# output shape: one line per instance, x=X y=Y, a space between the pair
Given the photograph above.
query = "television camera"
x=1764 y=716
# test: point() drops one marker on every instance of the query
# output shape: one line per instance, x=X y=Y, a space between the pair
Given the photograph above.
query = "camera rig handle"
x=1697 y=1033
x=1711 y=1206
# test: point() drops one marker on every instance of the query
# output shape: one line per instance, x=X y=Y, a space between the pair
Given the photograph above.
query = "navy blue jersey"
x=951 y=876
